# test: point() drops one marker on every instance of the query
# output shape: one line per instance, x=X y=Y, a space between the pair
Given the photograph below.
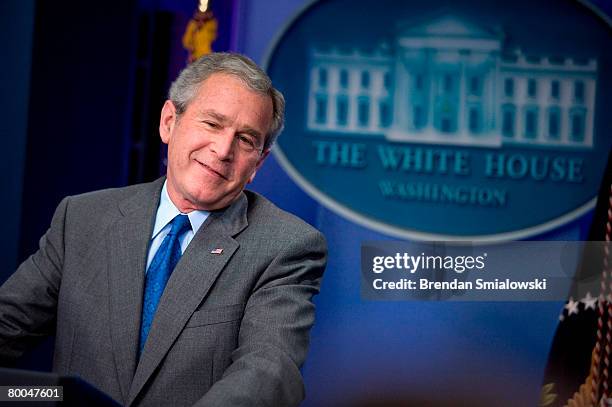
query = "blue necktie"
x=161 y=267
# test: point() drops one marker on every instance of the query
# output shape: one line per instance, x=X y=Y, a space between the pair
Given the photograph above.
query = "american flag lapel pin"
x=217 y=251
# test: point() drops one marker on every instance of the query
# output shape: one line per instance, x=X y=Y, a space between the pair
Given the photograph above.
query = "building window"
x=446 y=117
x=385 y=113
x=579 y=91
x=342 y=110
x=509 y=87
x=363 y=111
x=532 y=88
x=554 y=123
x=321 y=109
x=475 y=86
x=418 y=117
x=474 y=120
x=322 y=77
x=344 y=79
x=418 y=82
x=508 y=118
x=531 y=122
x=365 y=79
x=445 y=124
x=387 y=80
x=448 y=83
x=577 y=124
x=555 y=90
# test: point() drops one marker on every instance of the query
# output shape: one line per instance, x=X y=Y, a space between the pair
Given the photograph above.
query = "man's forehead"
x=216 y=84
x=214 y=114
x=218 y=81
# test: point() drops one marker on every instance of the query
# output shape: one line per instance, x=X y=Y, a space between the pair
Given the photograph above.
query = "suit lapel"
x=189 y=284
x=129 y=242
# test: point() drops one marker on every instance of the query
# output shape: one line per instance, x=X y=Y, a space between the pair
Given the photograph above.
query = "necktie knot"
x=180 y=224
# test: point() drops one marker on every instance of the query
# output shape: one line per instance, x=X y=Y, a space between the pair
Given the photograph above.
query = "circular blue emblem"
x=445 y=119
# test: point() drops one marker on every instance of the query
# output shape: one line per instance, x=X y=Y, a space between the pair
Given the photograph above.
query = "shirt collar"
x=166 y=211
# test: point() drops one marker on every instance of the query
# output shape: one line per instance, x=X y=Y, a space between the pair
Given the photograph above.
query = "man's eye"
x=212 y=125
x=247 y=140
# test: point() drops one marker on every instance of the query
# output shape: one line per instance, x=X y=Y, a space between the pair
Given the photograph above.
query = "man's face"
x=210 y=146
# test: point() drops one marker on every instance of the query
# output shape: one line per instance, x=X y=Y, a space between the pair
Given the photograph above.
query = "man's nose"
x=223 y=145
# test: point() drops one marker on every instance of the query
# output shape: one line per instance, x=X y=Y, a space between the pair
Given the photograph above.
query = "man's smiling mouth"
x=212 y=170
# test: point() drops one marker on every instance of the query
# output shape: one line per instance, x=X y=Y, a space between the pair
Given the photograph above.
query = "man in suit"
x=188 y=290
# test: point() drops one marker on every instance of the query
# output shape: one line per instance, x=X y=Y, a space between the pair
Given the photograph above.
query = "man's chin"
x=209 y=203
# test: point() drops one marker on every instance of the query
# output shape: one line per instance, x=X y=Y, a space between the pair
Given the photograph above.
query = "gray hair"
x=184 y=88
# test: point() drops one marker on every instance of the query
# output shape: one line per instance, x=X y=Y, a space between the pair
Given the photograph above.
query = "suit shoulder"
x=93 y=210
x=263 y=213
x=107 y=198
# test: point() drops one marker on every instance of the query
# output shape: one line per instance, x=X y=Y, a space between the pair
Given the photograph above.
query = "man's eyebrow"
x=215 y=115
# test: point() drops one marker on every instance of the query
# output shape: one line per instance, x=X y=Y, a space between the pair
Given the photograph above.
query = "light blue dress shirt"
x=166 y=211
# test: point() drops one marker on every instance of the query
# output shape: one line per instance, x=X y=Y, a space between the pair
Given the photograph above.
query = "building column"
x=374 y=95
x=543 y=106
x=589 y=97
x=401 y=108
x=333 y=84
x=352 y=95
x=462 y=130
x=496 y=96
x=430 y=82
x=565 y=105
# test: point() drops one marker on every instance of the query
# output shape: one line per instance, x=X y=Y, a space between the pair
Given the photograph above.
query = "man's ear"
x=263 y=157
x=167 y=121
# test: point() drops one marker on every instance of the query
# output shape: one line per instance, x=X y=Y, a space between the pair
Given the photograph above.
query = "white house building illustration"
x=449 y=81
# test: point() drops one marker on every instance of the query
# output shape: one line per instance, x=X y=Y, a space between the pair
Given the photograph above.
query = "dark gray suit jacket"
x=231 y=329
